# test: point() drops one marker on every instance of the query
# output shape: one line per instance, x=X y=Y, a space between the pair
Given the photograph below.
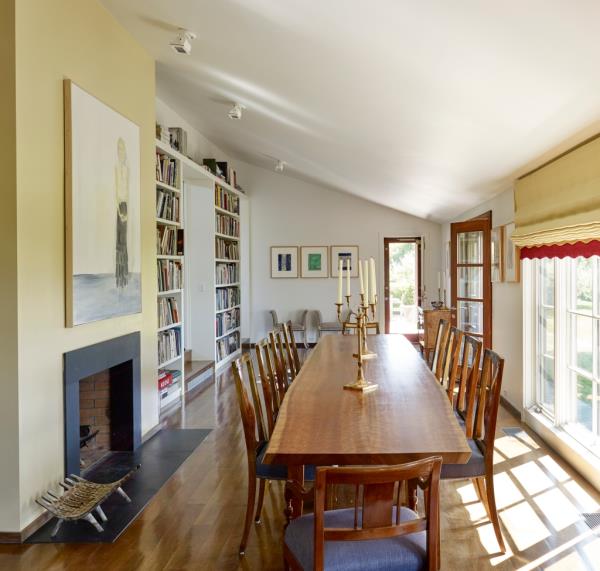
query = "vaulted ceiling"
x=428 y=107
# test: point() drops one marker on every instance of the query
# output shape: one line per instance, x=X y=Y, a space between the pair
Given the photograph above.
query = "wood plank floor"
x=196 y=519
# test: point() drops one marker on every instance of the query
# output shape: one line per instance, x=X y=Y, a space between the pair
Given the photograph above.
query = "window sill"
x=577 y=455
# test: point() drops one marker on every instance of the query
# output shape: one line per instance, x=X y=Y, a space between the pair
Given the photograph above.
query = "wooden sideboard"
x=428 y=326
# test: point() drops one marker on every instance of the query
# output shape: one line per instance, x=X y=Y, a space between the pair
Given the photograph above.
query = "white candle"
x=439 y=280
x=360 y=278
x=340 y=277
x=373 y=280
x=366 y=262
x=348 y=277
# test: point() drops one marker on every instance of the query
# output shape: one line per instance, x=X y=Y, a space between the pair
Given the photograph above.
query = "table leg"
x=295 y=473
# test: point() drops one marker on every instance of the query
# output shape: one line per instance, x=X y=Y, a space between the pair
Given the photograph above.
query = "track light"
x=280 y=166
x=236 y=111
x=182 y=44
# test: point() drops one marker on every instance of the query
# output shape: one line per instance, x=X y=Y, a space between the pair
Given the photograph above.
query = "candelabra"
x=361 y=314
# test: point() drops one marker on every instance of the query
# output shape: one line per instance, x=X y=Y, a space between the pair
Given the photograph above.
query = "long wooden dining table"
x=407 y=418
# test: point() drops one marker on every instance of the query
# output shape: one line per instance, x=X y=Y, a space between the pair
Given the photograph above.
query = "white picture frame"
x=496 y=251
x=343 y=253
x=511 y=255
x=314 y=261
x=284 y=262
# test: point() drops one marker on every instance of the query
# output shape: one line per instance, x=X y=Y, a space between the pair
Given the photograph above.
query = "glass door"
x=471 y=277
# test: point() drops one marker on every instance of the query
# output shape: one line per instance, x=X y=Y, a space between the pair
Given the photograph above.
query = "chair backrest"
x=269 y=383
x=372 y=326
x=439 y=350
x=289 y=354
x=452 y=356
x=294 y=347
x=377 y=513
x=488 y=399
x=467 y=378
x=247 y=411
x=279 y=360
x=274 y=318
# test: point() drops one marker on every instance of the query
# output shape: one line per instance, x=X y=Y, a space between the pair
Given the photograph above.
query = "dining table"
x=407 y=417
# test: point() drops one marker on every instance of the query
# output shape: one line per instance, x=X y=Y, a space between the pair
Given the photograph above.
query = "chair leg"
x=249 y=507
x=490 y=504
x=304 y=339
x=261 y=497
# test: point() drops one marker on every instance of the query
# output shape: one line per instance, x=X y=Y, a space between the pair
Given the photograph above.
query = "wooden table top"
x=407 y=418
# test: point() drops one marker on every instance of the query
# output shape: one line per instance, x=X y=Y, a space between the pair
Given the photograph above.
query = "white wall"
x=507 y=303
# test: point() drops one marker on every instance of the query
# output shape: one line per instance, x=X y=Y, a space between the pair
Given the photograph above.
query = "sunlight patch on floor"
x=531 y=477
x=557 y=509
x=554 y=468
x=467 y=493
x=570 y=562
x=487 y=537
x=585 y=501
x=511 y=447
x=506 y=491
x=524 y=526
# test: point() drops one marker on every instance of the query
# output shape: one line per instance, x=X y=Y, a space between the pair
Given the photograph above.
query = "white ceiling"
x=425 y=106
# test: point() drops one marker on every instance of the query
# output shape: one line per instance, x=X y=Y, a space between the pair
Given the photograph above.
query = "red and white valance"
x=583 y=249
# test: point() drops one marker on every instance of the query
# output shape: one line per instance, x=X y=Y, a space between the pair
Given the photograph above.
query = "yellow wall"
x=9 y=437
x=79 y=40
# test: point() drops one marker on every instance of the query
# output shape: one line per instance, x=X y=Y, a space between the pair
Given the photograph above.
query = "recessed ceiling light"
x=182 y=44
x=236 y=111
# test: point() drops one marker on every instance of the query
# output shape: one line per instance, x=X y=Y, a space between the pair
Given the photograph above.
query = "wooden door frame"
x=482 y=223
x=386 y=280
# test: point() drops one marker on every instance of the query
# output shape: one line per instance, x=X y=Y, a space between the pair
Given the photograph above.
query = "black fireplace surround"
x=122 y=357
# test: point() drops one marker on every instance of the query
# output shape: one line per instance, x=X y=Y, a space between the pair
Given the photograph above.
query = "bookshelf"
x=170 y=273
x=215 y=261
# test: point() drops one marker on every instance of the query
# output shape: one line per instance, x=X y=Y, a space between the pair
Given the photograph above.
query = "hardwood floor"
x=196 y=519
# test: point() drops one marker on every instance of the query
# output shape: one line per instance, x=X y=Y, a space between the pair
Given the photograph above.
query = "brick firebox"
x=94 y=410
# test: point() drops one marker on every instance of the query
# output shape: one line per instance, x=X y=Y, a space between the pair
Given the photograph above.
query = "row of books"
x=227 y=297
x=170 y=275
x=227 y=346
x=226 y=200
x=167 y=377
x=167 y=205
x=168 y=311
x=167 y=170
x=227 y=321
x=227 y=225
x=227 y=273
x=169 y=241
x=171 y=390
x=169 y=345
x=226 y=250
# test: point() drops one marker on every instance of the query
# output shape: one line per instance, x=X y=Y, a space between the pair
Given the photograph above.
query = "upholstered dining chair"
x=378 y=532
x=440 y=348
x=271 y=391
x=300 y=326
x=279 y=360
x=286 y=334
x=256 y=436
x=452 y=355
x=291 y=339
x=329 y=326
x=480 y=467
x=372 y=327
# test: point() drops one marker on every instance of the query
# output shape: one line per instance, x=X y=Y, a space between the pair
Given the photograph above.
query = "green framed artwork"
x=314 y=261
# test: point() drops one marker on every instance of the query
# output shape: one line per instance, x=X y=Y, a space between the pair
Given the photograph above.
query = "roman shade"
x=559 y=203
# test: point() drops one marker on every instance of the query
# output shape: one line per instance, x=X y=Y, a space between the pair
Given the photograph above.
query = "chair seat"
x=405 y=553
x=277 y=471
x=295 y=326
x=474 y=468
x=330 y=326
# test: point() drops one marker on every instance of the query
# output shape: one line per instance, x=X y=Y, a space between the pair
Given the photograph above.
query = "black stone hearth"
x=121 y=356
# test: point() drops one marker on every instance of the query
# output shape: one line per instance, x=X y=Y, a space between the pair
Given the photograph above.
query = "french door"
x=471 y=284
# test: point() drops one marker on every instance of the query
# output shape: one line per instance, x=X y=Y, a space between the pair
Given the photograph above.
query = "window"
x=566 y=384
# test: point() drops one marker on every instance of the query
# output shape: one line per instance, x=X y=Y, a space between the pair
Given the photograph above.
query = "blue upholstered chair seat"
x=405 y=553
x=276 y=471
x=474 y=468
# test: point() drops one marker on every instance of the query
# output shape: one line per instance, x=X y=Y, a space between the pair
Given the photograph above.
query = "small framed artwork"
x=284 y=261
x=348 y=255
x=496 y=253
x=512 y=262
x=314 y=261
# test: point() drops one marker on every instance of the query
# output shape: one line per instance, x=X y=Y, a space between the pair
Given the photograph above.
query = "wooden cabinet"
x=428 y=326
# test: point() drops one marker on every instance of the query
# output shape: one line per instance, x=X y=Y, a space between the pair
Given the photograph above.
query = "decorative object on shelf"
x=314 y=261
x=496 y=239
x=511 y=255
x=345 y=254
x=367 y=302
x=441 y=286
x=102 y=210
x=284 y=261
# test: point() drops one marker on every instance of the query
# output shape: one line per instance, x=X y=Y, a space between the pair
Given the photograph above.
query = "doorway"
x=402 y=287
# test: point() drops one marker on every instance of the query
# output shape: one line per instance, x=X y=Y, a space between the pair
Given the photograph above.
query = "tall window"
x=567 y=361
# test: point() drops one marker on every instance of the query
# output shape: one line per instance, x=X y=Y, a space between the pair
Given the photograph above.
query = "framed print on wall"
x=348 y=254
x=102 y=210
x=496 y=235
x=511 y=255
x=284 y=261
x=314 y=261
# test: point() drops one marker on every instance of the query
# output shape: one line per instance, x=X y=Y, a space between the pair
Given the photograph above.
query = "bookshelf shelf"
x=228 y=285
x=227 y=237
x=168 y=222
x=226 y=261
x=170 y=292
x=170 y=361
x=228 y=309
x=228 y=333
x=168 y=257
x=226 y=212
x=166 y=186
x=172 y=326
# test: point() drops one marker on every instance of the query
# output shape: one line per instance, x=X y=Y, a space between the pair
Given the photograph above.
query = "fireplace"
x=102 y=393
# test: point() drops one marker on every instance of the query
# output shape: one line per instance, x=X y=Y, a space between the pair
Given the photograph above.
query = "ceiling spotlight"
x=236 y=111
x=182 y=44
x=280 y=166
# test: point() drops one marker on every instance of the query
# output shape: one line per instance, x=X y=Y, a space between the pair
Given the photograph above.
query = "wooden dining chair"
x=452 y=355
x=440 y=348
x=279 y=360
x=292 y=341
x=378 y=532
x=372 y=326
x=256 y=436
x=480 y=467
x=462 y=384
x=270 y=387
x=289 y=354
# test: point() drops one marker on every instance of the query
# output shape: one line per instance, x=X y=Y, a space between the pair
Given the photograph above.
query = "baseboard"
x=21 y=536
x=152 y=432
x=510 y=407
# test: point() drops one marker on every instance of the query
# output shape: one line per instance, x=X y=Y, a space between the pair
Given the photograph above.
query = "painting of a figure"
x=102 y=172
